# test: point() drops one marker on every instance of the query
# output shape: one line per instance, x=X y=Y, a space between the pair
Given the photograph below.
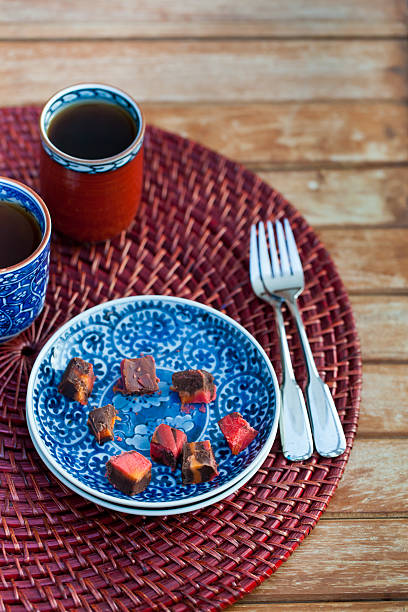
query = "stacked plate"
x=181 y=335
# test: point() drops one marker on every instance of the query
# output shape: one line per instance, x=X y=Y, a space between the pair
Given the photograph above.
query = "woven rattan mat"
x=59 y=551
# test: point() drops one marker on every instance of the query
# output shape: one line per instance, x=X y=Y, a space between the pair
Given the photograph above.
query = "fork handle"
x=327 y=430
x=295 y=432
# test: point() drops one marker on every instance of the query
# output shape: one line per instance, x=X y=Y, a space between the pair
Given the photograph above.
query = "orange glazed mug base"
x=91 y=200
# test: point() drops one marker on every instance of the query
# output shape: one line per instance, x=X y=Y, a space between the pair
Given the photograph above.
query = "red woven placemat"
x=190 y=239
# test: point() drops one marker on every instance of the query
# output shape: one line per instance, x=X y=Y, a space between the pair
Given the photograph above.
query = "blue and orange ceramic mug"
x=23 y=285
x=91 y=198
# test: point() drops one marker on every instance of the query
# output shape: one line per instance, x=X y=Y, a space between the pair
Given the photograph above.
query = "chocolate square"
x=101 y=422
x=77 y=381
x=199 y=463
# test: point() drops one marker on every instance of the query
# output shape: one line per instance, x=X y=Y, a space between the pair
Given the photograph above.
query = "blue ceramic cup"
x=23 y=285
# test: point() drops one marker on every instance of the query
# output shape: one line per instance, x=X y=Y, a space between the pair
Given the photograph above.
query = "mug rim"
x=47 y=230
x=136 y=143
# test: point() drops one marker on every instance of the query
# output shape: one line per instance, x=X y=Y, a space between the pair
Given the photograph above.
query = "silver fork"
x=285 y=280
x=296 y=436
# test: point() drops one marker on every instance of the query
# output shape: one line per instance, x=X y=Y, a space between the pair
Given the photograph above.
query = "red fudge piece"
x=129 y=472
x=166 y=445
x=237 y=431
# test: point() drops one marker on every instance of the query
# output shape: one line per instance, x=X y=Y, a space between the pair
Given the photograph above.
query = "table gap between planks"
x=312 y=95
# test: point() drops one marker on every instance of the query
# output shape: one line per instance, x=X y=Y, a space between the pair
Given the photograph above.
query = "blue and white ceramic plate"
x=180 y=334
x=162 y=511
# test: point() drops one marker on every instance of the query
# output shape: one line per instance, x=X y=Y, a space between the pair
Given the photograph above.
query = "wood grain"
x=366 y=197
x=327 y=606
x=343 y=560
x=384 y=405
x=184 y=18
x=292 y=133
x=369 y=260
x=382 y=324
x=374 y=464
x=209 y=71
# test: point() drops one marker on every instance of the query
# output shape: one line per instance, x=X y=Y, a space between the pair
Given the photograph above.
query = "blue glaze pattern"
x=180 y=335
x=22 y=289
x=84 y=94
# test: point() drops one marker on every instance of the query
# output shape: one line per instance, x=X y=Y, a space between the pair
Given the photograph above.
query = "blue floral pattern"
x=22 y=290
x=180 y=335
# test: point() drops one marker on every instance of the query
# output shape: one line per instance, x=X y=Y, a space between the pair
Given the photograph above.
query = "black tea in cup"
x=20 y=234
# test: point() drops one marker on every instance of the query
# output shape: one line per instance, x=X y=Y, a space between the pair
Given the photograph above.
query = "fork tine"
x=264 y=261
x=292 y=248
x=283 y=251
x=272 y=249
x=254 y=272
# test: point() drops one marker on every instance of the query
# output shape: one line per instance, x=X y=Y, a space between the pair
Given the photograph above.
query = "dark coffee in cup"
x=20 y=234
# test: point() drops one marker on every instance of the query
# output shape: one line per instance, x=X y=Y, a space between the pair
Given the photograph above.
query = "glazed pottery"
x=91 y=200
x=23 y=285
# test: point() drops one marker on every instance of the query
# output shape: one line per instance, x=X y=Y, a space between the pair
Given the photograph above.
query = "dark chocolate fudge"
x=198 y=464
x=77 y=381
x=194 y=386
x=129 y=472
x=138 y=376
x=101 y=422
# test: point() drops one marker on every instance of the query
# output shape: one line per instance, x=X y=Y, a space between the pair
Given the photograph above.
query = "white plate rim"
x=38 y=443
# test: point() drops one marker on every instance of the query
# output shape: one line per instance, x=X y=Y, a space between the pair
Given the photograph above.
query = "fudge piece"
x=77 y=381
x=199 y=464
x=237 y=431
x=167 y=444
x=101 y=422
x=138 y=376
x=194 y=386
x=129 y=472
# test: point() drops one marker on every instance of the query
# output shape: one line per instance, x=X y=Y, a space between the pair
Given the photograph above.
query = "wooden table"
x=311 y=95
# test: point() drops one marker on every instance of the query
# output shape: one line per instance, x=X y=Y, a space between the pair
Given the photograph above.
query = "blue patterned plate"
x=180 y=334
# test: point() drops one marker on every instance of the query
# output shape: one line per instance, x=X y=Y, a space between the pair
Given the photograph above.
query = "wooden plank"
x=382 y=324
x=356 y=255
x=295 y=134
x=343 y=560
x=132 y=29
x=184 y=18
x=327 y=606
x=210 y=70
x=346 y=197
x=375 y=480
x=384 y=401
x=292 y=133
